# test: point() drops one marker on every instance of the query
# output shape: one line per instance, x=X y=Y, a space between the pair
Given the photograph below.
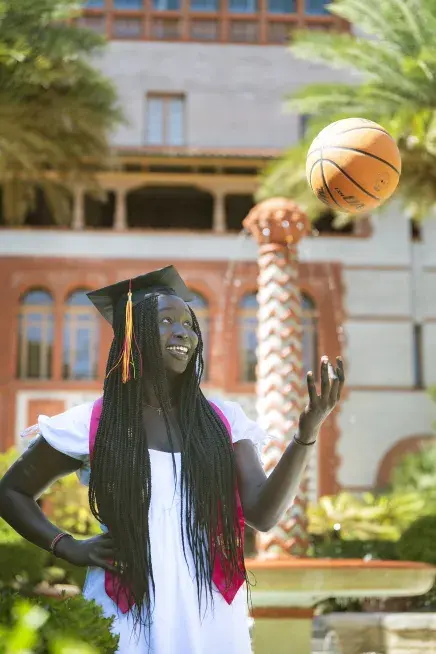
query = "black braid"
x=120 y=483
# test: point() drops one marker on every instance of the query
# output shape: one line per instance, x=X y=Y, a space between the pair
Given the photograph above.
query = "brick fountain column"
x=289 y=584
x=278 y=225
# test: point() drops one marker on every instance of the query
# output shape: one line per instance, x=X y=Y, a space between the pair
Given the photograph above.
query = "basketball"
x=353 y=165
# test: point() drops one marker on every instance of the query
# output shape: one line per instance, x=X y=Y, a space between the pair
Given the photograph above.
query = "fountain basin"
x=288 y=588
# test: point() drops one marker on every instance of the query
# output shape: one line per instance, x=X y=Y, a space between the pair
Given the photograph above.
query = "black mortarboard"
x=165 y=281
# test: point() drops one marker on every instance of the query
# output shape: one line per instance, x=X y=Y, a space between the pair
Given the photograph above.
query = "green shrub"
x=59 y=571
x=416 y=471
x=65 y=502
x=384 y=550
x=68 y=507
x=368 y=516
x=6 y=460
x=25 y=565
x=20 y=562
x=417 y=543
x=24 y=635
x=71 y=619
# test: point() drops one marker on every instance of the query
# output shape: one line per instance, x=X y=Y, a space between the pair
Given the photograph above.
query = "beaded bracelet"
x=297 y=440
x=56 y=540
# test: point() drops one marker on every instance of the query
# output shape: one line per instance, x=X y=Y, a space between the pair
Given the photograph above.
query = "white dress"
x=177 y=627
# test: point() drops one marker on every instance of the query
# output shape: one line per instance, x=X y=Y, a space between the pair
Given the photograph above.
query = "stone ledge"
x=384 y=633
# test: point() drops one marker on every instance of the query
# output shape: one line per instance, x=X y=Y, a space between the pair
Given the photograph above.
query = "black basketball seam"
x=325 y=183
x=310 y=175
x=377 y=129
x=368 y=154
x=374 y=197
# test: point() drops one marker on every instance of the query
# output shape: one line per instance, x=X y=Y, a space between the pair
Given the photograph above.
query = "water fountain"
x=288 y=584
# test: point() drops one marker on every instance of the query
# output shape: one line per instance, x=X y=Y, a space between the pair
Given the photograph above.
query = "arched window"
x=81 y=338
x=200 y=307
x=35 y=335
x=248 y=336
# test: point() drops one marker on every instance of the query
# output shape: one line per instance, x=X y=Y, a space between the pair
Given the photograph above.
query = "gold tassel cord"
x=127 y=352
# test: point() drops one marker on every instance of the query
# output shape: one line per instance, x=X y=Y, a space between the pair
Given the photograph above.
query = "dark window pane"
x=79 y=299
x=166 y=5
x=165 y=120
x=95 y=23
x=281 y=6
x=127 y=28
x=81 y=334
x=201 y=309
x=279 y=32
x=166 y=28
x=127 y=4
x=248 y=336
x=35 y=336
x=417 y=356
x=204 y=30
x=204 y=5
x=243 y=6
x=243 y=32
x=37 y=297
x=316 y=7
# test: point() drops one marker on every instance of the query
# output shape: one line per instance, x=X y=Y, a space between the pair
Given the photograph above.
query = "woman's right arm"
x=24 y=483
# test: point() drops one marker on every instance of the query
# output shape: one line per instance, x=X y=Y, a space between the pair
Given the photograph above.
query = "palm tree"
x=56 y=109
x=390 y=50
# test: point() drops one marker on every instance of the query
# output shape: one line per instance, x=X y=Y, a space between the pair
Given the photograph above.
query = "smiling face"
x=177 y=336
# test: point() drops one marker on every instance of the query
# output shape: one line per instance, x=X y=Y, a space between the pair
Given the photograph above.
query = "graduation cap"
x=165 y=281
x=126 y=294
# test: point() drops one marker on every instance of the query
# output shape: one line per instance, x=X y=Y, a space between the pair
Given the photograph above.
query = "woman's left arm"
x=265 y=499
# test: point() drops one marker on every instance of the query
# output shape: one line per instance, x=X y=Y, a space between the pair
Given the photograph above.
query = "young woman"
x=172 y=479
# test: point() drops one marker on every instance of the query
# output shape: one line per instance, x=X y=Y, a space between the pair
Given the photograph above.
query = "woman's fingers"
x=311 y=388
x=340 y=374
x=106 y=537
x=105 y=544
x=325 y=381
x=101 y=562
x=334 y=392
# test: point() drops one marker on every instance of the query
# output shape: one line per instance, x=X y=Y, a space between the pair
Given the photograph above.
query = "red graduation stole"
x=120 y=595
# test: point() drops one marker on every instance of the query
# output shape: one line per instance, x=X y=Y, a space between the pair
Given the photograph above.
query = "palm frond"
x=392 y=80
x=56 y=110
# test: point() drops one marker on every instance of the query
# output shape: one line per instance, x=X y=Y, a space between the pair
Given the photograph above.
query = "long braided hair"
x=120 y=482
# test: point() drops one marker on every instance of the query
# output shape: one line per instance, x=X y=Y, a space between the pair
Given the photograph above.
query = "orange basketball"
x=353 y=165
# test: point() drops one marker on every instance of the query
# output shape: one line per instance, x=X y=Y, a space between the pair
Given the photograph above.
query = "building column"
x=78 y=221
x=120 y=218
x=219 y=212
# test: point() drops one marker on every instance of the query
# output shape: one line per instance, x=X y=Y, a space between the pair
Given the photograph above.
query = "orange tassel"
x=125 y=360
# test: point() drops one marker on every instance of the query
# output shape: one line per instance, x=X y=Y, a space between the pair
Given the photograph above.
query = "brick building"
x=202 y=85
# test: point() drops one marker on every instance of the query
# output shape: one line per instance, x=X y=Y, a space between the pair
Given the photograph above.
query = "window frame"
x=46 y=323
x=206 y=341
x=311 y=313
x=71 y=321
x=166 y=99
x=164 y=24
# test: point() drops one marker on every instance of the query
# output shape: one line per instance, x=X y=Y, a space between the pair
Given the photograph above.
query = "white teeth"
x=178 y=348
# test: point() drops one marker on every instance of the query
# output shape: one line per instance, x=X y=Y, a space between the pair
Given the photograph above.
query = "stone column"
x=120 y=218
x=278 y=225
x=219 y=212
x=78 y=221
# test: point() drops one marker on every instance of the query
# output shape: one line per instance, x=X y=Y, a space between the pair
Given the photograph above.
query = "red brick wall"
x=62 y=276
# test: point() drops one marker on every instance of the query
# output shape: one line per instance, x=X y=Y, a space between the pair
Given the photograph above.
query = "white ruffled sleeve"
x=242 y=426
x=68 y=432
